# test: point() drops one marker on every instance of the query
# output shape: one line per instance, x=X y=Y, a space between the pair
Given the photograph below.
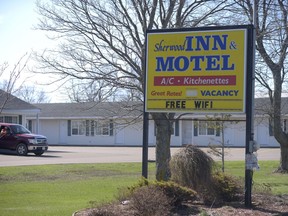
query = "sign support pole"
x=145 y=144
x=250 y=81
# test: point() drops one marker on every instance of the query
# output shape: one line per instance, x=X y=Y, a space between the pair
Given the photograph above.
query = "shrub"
x=149 y=201
x=109 y=210
x=223 y=188
x=262 y=188
x=227 y=186
x=142 y=182
x=191 y=167
x=176 y=193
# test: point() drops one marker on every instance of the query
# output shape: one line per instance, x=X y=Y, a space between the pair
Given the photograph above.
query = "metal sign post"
x=250 y=84
x=145 y=144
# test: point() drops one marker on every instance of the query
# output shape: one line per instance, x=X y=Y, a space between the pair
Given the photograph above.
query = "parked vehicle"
x=17 y=138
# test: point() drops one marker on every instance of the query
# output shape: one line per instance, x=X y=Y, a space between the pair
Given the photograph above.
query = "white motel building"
x=121 y=124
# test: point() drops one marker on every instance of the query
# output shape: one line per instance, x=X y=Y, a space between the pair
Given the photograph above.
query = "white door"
x=120 y=135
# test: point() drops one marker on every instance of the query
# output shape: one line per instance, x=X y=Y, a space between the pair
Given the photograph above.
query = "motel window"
x=206 y=128
x=90 y=127
x=9 y=119
x=78 y=127
x=102 y=127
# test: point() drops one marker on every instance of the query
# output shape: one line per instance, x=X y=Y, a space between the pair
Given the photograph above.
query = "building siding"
x=132 y=135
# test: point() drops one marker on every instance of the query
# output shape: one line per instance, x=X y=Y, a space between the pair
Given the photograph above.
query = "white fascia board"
x=30 y=111
x=80 y=117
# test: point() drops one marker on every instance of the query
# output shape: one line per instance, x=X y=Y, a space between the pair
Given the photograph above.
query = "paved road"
x=66 y=155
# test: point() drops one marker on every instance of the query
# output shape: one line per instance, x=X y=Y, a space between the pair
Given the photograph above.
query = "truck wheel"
x=22 y=149
x=38 y=153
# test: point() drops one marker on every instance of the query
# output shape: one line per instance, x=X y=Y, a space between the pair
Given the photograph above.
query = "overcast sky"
x=18 y=19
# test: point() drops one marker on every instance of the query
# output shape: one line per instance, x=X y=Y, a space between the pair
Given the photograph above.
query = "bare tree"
x=81 y=91
x=271 y=25
x=31 y=94
x=12 y=75
x=11 y=79
x=219 y=122
x=105 y=41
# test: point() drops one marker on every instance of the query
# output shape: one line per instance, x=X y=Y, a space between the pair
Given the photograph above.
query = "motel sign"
x=201 y=70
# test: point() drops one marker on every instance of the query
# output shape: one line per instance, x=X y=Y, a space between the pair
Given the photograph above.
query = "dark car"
x=18 y=138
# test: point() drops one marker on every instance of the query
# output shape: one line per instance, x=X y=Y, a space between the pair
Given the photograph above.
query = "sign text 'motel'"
x=196 y=71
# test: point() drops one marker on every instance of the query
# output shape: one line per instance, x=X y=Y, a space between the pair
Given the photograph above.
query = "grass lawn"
x=263 y=179
x=60 y=190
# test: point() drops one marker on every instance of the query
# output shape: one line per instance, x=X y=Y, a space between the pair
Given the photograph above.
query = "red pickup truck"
x=17 y=138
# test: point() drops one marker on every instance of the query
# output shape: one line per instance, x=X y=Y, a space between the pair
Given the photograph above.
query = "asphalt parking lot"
x=68 y=154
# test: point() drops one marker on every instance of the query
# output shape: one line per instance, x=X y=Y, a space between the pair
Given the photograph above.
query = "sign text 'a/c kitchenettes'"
x=196 y=71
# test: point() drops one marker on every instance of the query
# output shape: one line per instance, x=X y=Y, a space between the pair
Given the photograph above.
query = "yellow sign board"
x=196 y=71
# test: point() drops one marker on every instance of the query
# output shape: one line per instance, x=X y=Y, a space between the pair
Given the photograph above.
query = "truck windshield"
x=19 y=129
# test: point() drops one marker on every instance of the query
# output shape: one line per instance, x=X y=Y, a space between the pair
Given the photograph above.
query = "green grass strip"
x=60 y=190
